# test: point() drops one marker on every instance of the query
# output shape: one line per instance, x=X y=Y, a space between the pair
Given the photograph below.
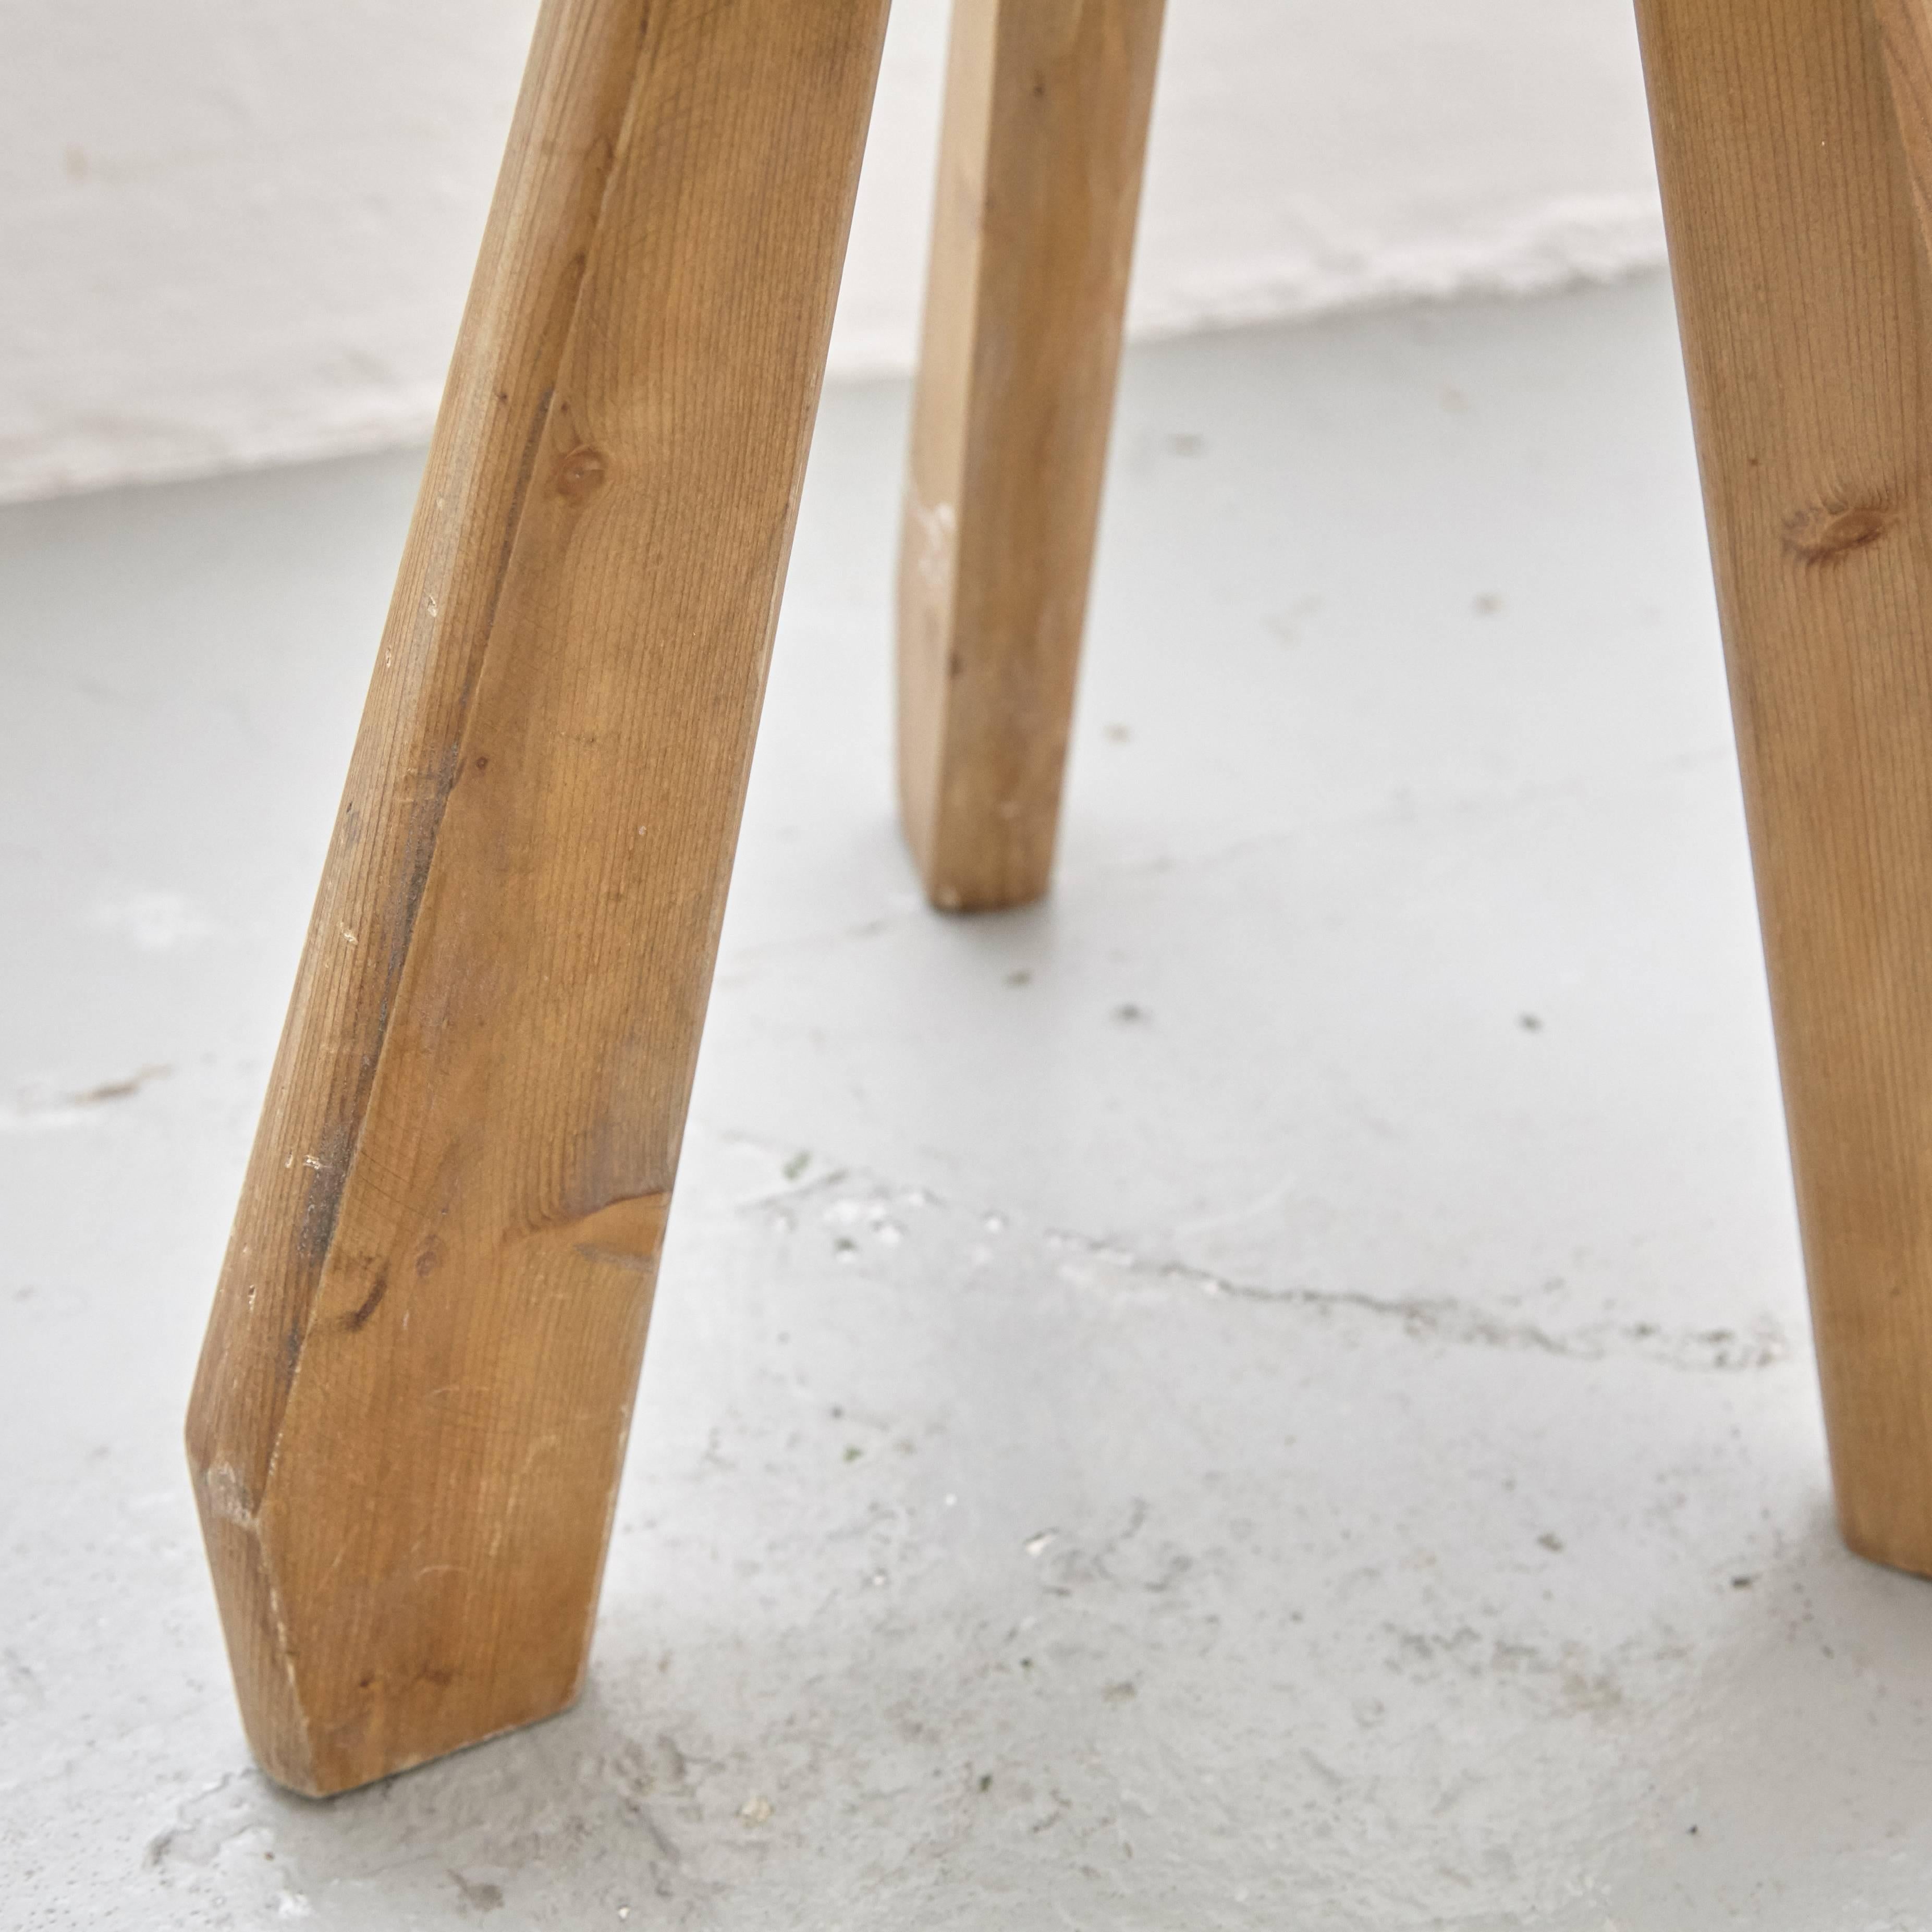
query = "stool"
x=410 y=1419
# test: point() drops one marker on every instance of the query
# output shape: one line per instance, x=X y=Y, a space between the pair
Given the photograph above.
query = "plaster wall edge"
x=1560 y=242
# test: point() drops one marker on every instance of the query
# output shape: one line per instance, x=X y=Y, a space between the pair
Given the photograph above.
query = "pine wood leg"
x=1045 y=127
x=410 y=1416
x=1803 y=301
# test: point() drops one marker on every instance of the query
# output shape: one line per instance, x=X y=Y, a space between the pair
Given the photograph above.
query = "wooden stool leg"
x=1046 y=113
x=408 y=1426
x=1807 y=336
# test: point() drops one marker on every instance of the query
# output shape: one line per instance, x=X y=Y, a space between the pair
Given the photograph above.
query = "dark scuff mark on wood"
x=359 y=1318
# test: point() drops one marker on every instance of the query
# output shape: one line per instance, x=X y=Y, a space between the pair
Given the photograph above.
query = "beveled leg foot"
x=409 y=1420
x=1046 y=114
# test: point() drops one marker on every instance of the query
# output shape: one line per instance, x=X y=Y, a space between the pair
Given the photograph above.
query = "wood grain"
x=1803 y=297
x=409 y=1419
x=1046 y=130
x=1905 y=35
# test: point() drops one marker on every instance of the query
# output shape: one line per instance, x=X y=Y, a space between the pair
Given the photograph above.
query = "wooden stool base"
x=408 y=1424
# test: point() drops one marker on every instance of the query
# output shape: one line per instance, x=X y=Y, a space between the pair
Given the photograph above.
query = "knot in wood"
x=580 y=473
x=1823 y=533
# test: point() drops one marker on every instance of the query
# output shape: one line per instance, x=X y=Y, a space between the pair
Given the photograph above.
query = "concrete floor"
x=1271 y=1391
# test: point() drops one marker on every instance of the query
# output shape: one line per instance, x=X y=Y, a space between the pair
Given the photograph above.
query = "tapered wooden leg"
x=1046 y=113
x=410 y=1416
x=1807 y=335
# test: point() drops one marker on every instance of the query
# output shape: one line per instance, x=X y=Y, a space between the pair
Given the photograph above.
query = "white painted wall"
x=234 y=233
